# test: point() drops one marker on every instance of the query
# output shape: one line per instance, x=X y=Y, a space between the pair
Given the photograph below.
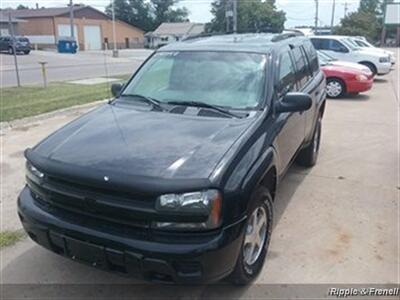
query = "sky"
x=298 y=12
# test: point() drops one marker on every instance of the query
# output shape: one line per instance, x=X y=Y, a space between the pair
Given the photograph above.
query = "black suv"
x=174 y=180
x=22 y=44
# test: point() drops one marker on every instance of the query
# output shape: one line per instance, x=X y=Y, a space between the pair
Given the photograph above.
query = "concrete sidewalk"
x=335 y=223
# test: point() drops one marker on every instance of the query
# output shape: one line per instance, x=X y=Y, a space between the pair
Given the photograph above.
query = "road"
x=337 y=223
x=61 y=67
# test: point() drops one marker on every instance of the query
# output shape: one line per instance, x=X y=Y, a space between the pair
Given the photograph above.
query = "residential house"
x=93 y=29
x=172 y=32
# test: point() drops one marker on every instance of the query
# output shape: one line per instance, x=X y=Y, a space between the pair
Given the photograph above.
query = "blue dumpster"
x=67 y=46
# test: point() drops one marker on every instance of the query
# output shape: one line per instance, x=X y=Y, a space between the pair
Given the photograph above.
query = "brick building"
x=92 y=28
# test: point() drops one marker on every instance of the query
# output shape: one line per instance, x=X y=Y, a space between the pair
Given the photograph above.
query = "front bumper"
x=359 y=86
x=384 y=68
x=179 y=261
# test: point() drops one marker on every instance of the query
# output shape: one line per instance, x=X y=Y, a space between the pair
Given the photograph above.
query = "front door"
x=291 y=125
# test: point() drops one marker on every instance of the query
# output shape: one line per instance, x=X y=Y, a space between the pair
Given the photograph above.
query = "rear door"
x=292 y=130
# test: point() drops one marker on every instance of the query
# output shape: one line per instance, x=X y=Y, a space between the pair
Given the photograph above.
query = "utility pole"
x=71 y=18
x=333 y=15
x=228 y=15
x=115 y=51
x=13 y=48
x=234 y=16
x=316 y=17
x=346 y=8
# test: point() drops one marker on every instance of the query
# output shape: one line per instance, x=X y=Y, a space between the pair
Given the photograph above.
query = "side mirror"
x=116 y=89
x=294 y=102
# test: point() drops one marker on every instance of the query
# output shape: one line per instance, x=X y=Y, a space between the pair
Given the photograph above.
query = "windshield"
x=228 y=79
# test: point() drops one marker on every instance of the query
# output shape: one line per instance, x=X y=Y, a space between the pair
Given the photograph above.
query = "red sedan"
x=342 y=79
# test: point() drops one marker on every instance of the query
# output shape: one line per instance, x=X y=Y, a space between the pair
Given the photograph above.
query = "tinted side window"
x=317 y=43
x=302 y=71
x=312 y=56
x=286 y=74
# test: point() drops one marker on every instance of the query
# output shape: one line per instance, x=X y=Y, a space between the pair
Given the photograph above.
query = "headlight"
x=361 y=77
x=33 y=170
x=206 y=204
x=384 y=59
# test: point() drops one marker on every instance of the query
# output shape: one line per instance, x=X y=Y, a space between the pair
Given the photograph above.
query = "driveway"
x=61 y=67
x=335 y=223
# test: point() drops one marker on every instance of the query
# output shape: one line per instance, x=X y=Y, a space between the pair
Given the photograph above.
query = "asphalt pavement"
x=62 y=67
x=337 y=223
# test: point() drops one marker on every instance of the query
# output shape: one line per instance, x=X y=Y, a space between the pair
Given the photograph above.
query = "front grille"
x=93 y=206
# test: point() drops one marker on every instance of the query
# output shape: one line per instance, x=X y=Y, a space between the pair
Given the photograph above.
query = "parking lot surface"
x=335 y=223
x=61 y=67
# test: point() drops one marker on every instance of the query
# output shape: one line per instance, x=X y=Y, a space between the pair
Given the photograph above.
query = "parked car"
x=340 y=63
x=363 y=43
x=22 y=44
x=342 y=79
x=175 y=179
x=338 y=47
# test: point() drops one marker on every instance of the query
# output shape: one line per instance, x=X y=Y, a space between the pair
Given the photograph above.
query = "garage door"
x=92 y=37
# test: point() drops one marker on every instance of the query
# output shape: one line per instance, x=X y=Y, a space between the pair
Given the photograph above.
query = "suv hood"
x=130 y=141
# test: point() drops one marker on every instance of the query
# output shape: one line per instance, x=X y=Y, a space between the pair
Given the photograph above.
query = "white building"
x=168 y=33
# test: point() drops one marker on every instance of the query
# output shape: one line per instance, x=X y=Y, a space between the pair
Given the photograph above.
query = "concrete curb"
x=4 y=126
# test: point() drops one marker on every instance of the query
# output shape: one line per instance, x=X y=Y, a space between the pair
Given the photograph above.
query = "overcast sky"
x=298 y=12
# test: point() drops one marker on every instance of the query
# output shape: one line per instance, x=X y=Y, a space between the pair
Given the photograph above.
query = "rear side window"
x=287 y=79
x=312 y=57
x=302 y=70
x=329 y=44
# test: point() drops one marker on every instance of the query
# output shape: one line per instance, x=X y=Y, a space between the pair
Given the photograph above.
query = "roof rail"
x=285 y=36
x=201 y=35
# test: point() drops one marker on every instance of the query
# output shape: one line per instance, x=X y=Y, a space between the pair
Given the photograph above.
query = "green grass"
x=17 y=103
x=9 y=238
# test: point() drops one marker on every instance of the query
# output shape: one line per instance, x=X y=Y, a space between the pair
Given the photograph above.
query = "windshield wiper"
x=205 y=105
x=149 y=100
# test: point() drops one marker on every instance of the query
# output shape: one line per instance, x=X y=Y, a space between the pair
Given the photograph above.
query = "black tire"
x=27 y=52
x=244 y=273
x=335 y=88
x=308 y=156
x=370 y=66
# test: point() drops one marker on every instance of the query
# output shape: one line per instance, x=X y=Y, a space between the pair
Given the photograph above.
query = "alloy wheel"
x=255 y=236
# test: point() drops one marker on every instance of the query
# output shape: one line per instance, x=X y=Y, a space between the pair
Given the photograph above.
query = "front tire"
x=256 y=239
x=335 y=88
x=370 y=66
x=309 y=155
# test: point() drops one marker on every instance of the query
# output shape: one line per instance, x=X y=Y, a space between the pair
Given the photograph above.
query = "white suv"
x=362 y=43
x=339 y=48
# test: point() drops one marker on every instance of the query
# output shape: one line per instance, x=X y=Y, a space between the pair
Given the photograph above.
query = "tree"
x=22 y=7
x=164 y=12
x=253 y=16
x=366 y=21
x=148 y=15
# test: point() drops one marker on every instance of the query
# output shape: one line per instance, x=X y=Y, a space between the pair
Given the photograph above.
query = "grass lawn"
x=17 y=103
x=9 y=238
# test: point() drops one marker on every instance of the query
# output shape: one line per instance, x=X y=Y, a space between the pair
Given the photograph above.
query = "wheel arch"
x=367 y=62
x=338 y=79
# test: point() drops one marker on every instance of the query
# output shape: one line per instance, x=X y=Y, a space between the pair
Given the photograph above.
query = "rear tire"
x=370 y=66
x=309 y=155
x=335 y=88
x=251 y=259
